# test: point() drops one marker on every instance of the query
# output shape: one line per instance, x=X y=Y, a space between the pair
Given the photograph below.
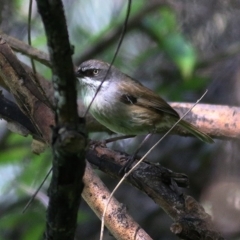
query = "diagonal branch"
x=29 y=98
x=26 y=49
x=14 y=116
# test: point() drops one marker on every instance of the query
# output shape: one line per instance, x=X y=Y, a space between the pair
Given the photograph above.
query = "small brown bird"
x=126 y=106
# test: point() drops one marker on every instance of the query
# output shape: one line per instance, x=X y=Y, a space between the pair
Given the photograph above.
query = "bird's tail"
x=194 y=131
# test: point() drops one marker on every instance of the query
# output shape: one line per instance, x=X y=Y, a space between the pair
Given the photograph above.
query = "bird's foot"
x=93 y=144
x=128 y=165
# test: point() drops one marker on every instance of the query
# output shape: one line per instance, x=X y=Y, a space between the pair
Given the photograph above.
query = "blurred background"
x=178 y=48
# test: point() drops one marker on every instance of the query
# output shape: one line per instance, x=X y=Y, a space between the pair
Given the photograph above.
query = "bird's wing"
x=137 y=94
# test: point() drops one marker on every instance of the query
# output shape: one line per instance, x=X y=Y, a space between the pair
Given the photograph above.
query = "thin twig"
x=29 y=34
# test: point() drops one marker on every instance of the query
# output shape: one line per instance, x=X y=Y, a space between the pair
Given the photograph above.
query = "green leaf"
x=171 y=41
x=181 y=52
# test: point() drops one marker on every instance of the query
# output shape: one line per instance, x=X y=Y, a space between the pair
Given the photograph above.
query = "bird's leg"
x=131 y=159
x=113 y=139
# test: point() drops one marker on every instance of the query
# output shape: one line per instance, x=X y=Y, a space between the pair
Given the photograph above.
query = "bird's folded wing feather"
x=135 y=93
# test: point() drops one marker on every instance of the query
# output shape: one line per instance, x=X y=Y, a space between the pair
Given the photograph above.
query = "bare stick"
x=29 y=34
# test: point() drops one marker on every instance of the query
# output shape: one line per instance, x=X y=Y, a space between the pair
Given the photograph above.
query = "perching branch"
x=217 y=120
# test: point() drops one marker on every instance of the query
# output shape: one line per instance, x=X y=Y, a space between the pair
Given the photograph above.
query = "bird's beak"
x=78 y=74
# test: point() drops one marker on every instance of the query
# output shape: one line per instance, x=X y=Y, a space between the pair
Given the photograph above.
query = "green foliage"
x=163 y=28
x=28 y=230
x=20 y=169
x=89 y=38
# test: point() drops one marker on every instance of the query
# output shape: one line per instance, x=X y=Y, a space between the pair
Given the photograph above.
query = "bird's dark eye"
x=89 y=72
x=95 y=72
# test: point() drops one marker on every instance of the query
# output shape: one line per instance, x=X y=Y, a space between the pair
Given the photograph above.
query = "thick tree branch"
x=217 y=120
x=69 y=138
